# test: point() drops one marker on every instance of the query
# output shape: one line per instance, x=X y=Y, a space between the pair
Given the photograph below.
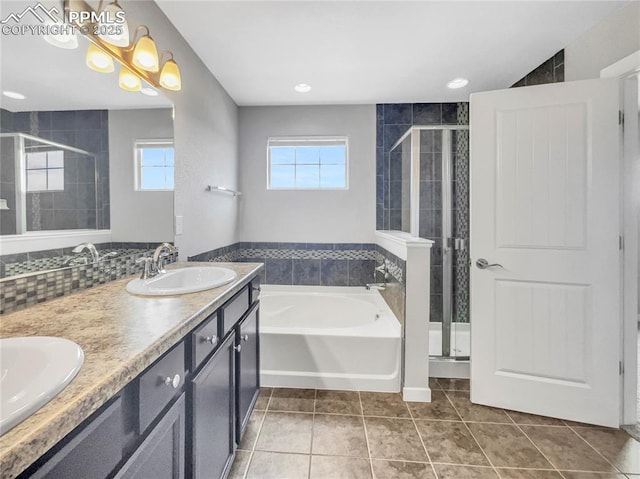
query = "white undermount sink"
x=182 y=281
x=33 y=370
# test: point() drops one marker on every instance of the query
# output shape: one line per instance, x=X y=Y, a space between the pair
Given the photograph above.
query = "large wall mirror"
x=81 y=159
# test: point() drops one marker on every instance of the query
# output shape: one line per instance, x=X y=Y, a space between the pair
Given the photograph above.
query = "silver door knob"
x=484 y=264
x=238 y=347
x=211 y=339
x=245 y=337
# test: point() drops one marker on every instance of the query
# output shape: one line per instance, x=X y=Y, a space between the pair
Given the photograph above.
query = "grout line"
x=366 y=436
x=472 y=435
x=246 y=468
x=536 y=446
x=313 y=422
x=594 y=448
x=421 y=441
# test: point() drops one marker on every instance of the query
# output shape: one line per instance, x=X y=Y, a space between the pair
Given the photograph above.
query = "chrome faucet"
x=95 y=257
x=161 y=252
x=384 y=269
x=154 y=265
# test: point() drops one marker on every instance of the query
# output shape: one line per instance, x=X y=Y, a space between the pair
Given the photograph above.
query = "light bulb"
x=145 y=54
x=115 y=33
x=170 y=76
x=128 y=80
x=98 y=60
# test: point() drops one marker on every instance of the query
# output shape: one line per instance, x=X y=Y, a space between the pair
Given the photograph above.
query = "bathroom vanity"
x=166 y=391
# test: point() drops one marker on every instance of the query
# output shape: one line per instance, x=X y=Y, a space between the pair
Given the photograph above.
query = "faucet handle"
x=146 y=271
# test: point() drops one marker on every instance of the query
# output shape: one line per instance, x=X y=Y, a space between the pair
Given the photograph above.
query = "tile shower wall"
x=551 y=71
x=393 y=120
x=22 y=292
x=78 y=206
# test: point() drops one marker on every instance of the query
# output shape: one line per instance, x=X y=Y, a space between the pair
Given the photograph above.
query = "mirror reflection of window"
x=155 y=165
x=45 y=171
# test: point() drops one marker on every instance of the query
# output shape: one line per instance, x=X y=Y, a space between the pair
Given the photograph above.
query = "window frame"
x=137 y=160
x=313 y=141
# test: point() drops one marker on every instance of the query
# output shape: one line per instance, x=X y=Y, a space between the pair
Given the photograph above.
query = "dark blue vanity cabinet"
x=181 y=418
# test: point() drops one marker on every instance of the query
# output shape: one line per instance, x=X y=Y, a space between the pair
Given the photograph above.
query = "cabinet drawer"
x=204 y=340
x=159 y=384
x=101 y=438
x=234 y=309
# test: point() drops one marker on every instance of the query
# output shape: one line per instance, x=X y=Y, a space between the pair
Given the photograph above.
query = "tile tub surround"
x=120 y=334
x=312 y=264
x=21 y=292
x=318 y=434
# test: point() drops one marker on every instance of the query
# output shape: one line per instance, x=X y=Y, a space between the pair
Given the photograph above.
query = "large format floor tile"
x=339 y=436
x=565 y=449
x=394 y=439
x=401 y=470
x=506 y=446
x=275 y=465
x=309 y=434
x=617 y=446
x=450 y=442
x=286 y=432
x=332 y=467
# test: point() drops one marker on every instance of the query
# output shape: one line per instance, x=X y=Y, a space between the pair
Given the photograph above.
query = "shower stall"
x=428 y=196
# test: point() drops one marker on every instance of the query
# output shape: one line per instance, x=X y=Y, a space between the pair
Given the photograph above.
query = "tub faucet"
x=95 y=257
x=378 y=286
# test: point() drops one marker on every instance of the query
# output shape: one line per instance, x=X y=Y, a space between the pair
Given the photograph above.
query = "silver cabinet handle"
x=211 y=339
x=174 y=381
x=245 y=337
x=257 y=288
x=484 y=264
x=238 y=347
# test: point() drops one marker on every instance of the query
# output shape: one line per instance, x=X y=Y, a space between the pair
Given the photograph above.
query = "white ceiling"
x=375 y=51
x=56 y=79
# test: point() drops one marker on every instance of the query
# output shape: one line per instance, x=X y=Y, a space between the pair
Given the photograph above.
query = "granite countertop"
x=120 y=335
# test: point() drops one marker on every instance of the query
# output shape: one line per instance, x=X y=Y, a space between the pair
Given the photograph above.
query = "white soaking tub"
x=328 y=338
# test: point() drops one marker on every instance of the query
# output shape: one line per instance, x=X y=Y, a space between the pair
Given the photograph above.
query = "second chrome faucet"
x=154 y=265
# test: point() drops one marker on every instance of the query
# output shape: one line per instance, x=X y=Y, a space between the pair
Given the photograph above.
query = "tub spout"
x=378 y=286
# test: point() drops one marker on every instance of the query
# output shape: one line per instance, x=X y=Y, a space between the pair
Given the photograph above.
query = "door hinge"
x=621 y=368
x=620 y=117
x=620 y=243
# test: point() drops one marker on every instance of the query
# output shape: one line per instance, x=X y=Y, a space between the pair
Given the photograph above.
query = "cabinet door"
x=248 y=368
x=161 y=454
x=213 y=389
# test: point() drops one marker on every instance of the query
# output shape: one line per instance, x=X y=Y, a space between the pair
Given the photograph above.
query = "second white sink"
x=182 y=280
x=33 y=370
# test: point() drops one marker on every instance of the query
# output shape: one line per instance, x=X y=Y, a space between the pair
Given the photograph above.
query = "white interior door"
x=545 y=205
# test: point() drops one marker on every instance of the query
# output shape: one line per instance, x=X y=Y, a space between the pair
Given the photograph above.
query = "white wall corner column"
x=416 y=252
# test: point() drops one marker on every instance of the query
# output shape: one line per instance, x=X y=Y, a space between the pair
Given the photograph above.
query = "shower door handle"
x=484 y=264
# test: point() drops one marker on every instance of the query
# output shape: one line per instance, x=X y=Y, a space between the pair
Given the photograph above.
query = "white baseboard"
x=416 y=394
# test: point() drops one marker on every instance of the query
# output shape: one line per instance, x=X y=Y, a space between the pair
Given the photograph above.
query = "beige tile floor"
x=309 y=434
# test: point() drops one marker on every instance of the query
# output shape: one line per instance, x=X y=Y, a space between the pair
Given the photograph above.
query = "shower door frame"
x=448 y=242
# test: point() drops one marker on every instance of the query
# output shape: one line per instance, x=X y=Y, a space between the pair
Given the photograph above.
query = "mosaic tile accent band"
x=461 y=222
x=22 y=292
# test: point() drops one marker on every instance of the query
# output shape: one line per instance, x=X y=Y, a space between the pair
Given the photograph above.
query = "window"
x=45 y=171
x=307 y=163
x=154 y=165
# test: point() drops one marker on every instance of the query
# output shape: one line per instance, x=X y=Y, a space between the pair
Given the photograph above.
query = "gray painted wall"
x=333 y=216
x=612 y=39
x=144 y=216
x=206 y=139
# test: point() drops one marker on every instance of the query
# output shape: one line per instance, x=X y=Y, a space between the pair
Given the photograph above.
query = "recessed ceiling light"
x=13 y=94
x=458 y=83
x=302 y=88
x=149 y=91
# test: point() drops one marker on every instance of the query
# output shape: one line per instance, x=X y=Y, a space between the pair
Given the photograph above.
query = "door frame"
x=627 y=70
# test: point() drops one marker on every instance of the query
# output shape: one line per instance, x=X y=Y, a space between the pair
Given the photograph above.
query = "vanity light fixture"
x=118 y=37
x=128 y=80
x=458 y=83
x=98 y=60
x=139 y=58
x=302 y=88
x=13 y=94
